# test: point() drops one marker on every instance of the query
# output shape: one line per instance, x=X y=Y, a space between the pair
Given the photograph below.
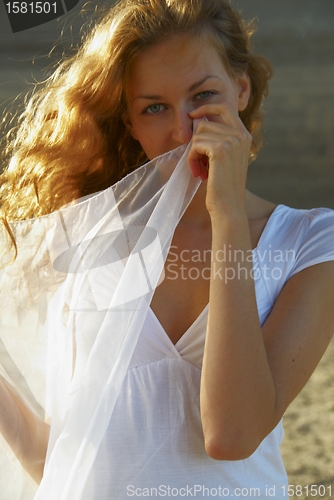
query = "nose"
x=182 y=126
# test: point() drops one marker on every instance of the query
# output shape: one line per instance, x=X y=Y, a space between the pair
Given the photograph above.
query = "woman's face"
x=167 y=82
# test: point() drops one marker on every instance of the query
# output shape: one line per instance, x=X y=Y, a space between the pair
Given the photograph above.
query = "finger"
x=215 y=131
x=199 y=168
x=197 y=121
x=195 y=168
x=198 y=159
x=223 y=111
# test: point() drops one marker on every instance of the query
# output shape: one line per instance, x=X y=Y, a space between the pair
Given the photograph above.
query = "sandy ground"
x=308 y=446
x=296 y=167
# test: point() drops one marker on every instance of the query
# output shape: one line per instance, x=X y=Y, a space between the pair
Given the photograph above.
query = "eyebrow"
x=193 y=87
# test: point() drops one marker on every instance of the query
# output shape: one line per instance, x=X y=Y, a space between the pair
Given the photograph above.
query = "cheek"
x=149 y=142
x=136 y=129
x=151 y=134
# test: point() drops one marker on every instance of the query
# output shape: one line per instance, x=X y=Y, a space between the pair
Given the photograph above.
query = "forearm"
x=237 y=390
x=25 y=433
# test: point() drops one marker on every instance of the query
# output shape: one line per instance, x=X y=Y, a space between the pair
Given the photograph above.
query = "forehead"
x=180 y=59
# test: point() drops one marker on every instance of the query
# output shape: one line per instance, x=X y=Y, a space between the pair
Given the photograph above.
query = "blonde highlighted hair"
x=72 y=140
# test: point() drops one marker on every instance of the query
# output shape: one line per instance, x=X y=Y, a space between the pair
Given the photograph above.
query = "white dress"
x=154 y=443
x=80 y=347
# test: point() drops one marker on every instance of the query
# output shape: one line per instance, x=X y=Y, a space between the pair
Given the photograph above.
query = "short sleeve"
x=315 y=239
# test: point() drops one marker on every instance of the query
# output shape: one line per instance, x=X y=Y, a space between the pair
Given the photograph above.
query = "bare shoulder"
x=258 y=208
x=258 y=211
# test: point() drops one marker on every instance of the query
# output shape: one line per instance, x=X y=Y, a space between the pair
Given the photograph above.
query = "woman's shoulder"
x=308 y=232
x=307 y=235
x=288 y=218
x=258 y=208
x=259 y=211
x=303 y=223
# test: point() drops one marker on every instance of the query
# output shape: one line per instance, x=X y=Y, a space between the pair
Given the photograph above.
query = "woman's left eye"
x=204 y=95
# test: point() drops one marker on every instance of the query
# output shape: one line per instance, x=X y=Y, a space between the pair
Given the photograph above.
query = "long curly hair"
x=71 y=140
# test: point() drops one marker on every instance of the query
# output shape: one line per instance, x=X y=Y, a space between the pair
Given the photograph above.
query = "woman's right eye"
x=154 y=109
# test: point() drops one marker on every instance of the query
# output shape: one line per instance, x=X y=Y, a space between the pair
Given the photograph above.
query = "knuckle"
x=221 y=148
x=244 y=136
x=196 y=140
x=231 y=142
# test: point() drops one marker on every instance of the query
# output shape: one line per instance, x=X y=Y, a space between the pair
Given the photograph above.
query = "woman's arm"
x=237 y=388
x=250 y=375
x=25 y=433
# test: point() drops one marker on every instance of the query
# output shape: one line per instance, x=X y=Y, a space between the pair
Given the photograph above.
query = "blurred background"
x=295 y=166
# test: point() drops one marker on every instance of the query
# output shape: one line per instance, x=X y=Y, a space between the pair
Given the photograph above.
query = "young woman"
x=244 y=313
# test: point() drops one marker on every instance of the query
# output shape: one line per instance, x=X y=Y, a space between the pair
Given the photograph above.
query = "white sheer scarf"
x=86 y=273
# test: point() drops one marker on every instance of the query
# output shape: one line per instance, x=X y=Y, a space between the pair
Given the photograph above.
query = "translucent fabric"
x=86 y=273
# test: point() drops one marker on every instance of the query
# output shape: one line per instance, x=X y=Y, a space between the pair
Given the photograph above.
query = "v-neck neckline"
x=188 y=330
x=206 y=308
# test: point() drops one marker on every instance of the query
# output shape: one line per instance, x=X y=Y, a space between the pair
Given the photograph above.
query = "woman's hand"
x=26 y=434
x=220 y=152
